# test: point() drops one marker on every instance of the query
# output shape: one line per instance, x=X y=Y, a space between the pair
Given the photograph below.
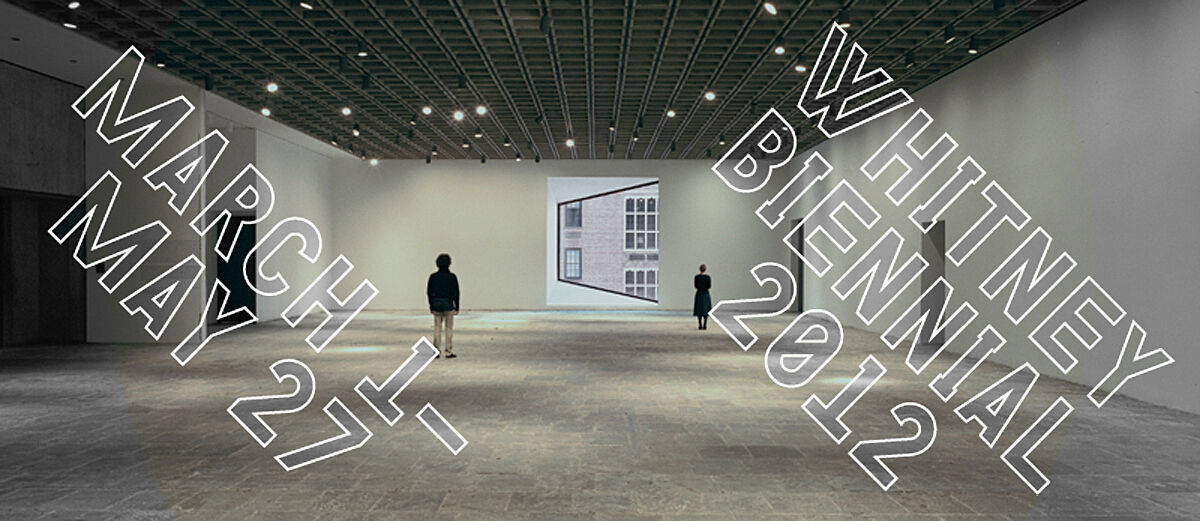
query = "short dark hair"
x=703 y=268
x=443 y=261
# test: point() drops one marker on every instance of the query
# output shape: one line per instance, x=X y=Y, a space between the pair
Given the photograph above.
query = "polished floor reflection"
x=569 y=415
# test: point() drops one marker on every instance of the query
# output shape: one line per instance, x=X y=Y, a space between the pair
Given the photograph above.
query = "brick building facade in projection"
x=609 y=241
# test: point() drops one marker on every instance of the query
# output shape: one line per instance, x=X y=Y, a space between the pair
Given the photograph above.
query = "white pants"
x=446 y=319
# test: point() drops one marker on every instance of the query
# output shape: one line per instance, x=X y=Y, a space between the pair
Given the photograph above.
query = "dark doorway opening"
x=43 y=291
x=230 y=272
x=798 y=265
x=933 y=250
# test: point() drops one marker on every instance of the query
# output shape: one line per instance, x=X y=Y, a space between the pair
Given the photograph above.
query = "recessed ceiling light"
x=159 y=64
x=570 y=142
x=481 y=110
x=670 y=113
x=306 y=5
x=800 y=68
x=458 y=115
x=73 y=5
x=72 y=27
x=272 y=87
x=426 y=110
x=265 y=111
x=710 y=95
x=374 y=162
x=779 y=49
x=345 y=111
x=770 y=8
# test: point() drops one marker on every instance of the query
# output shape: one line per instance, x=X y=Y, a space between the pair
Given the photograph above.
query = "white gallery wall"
x=393 y=219
x=1091 y=122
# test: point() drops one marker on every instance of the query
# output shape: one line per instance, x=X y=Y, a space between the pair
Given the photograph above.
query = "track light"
x=265 y=112
x=974 y=47
x=356 y=131
x=466 y=144
x=71 y=25
x=412 y=120
x=362 y=50
x=428 y=160
x=333 y=140
x=843 y=19
x=537 y=159
x=670 y=113
x=272 y=87
x=483 y=159
x=478 y=132
x=410 y=133
x=433 y=151
x=458 y=115
x=708 y=152
x=909 y=60
x=209 y=82
x=641 y=121
x=426 y=110
x=345 y=111
x=672 y=146
x=612 y=125
x=635 y=134
x=306 y=6
x=481 y=110
x=770 y=8
x=721 y=140
x=507 y=141
x=948 y=33
x=570 y=142
x=518 y=158
x=710 y=95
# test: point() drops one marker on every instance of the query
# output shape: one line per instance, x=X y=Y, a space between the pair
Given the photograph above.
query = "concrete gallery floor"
x=569 y=415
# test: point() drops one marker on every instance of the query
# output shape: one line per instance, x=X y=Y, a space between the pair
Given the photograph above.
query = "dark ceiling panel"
x=547 y=70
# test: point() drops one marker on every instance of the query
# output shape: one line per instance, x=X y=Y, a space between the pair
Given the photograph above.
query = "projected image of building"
x=609 y=241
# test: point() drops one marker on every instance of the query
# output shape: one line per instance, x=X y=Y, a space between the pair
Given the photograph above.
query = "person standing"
x=442 y=291
x=703 y=303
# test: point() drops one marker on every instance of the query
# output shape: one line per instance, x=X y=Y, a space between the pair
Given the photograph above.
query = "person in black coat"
x=442 y=290
x=703 y=302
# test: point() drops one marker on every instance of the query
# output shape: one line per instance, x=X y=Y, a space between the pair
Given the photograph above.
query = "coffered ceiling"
x=546 y=71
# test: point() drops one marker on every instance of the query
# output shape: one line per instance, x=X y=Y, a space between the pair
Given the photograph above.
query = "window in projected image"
x=609 y=241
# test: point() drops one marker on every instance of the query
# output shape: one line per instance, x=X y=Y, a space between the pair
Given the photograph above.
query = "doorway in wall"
x=230 y=272
x=933 y=250
x=42 y=289
x=798 y=266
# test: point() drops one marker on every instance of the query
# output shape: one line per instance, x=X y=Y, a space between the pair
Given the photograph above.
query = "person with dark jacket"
x=703 y=302
x=442 y=290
